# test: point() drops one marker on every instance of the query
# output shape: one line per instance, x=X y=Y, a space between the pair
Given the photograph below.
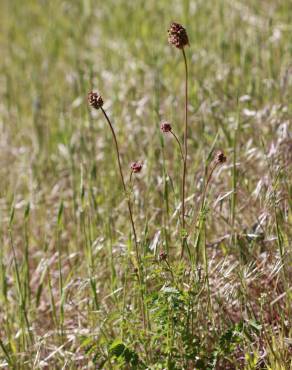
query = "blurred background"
x=54 y=52
x=57 y=164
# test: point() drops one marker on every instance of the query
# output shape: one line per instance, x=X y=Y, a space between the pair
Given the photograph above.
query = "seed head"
x=165 y=127
x=136 y=167
x=177 y=36
x=220 y=157
x=162 y=256
x=95 y=100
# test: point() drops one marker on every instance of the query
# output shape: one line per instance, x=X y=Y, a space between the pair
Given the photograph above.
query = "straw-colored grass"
x=72 y=293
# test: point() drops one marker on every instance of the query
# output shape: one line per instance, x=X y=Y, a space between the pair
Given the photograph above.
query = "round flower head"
x=136 y=167
x=177 y=36
x=165 y=127
x=162 y=256
x=220 y=157
x=95 y=100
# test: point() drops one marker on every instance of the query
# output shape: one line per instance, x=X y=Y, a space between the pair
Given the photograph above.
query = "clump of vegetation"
x=151 y=227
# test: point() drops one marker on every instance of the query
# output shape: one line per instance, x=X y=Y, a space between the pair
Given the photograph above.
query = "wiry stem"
x=131 y=176
x=208 y=182
x=185 y=153
x=124 y=184
x=179 y=144
x=130 y=213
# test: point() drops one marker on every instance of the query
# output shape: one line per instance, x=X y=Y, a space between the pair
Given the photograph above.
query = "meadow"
x=199 y=274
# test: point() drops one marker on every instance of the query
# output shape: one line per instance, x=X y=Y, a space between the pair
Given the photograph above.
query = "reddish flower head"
x=95 y=100
x=162 y=256
x=165 y=127
x=177 y=36
x=220 y=157
x=136 y=167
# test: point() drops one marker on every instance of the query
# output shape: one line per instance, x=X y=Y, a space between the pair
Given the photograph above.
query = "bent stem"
x=130 y=213
x=123 y=183
x=208 y=182
x=131 y=176
x=179 y=144
x=185 y=154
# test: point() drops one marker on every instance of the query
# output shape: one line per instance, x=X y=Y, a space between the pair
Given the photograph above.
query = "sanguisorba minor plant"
x=95 y=101
x=178 y=37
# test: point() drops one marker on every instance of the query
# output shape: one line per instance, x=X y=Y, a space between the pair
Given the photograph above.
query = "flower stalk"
x=123 y=184
x=165 y=128
x=178 y=37
x=96 y=102
x=185 y=155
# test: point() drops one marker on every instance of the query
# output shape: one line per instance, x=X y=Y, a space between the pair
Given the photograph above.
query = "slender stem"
x=123 y=183
x=140 y=279
x=131 y=176
x=22 y=306
x=204 y=195
x=208 y=182
x=185 y=152
x=179 y=144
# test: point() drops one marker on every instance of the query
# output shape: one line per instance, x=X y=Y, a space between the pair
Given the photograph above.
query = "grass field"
x=76 y=292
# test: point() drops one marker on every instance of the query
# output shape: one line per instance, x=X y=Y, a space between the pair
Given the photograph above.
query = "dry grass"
x=70 y=295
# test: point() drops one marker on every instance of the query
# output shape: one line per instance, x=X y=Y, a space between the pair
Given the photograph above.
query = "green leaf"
x=117 y=348
x=60 y=212
x=27 y=210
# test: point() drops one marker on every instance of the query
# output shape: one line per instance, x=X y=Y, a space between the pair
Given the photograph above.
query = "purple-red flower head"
x=162 y=256
x=95 y=100
x=165 y=127
x=177 y=36
x=136 y=167
x=220 y=157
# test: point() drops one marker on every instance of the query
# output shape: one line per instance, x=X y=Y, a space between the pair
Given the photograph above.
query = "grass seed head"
x=95 y=100
x=177 y=36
